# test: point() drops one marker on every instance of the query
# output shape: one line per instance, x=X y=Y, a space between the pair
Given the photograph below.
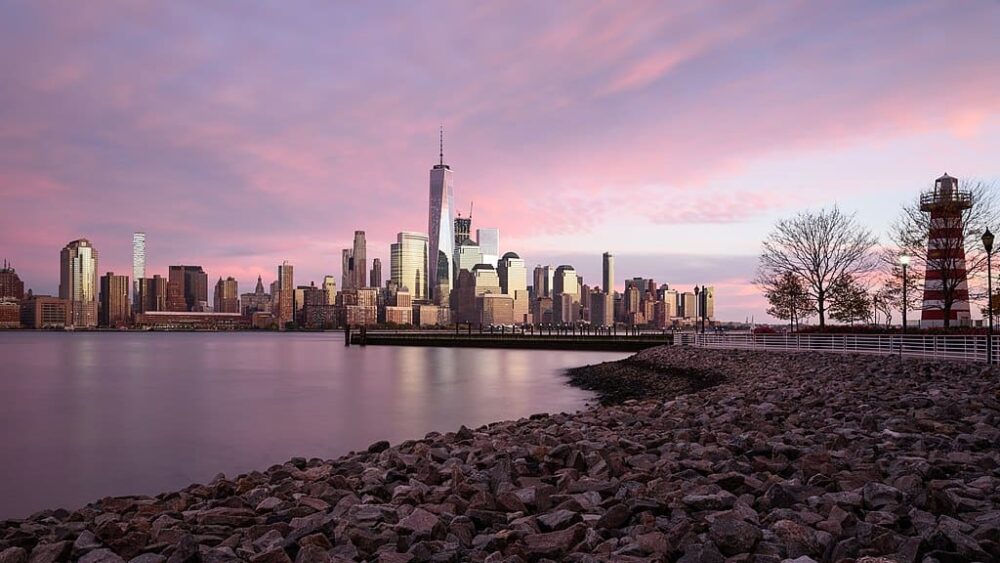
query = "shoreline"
x=694 y=455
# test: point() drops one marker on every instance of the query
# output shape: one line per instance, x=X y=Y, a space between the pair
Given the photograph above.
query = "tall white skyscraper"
x=408 y=263
x=489 y=244
x=609 y=273
x=441 y=230
x=138 y=263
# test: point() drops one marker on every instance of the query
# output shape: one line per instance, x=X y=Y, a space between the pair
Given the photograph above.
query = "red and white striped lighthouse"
x=945 y=254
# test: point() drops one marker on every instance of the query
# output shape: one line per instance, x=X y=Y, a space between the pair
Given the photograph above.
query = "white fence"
x=945 y=347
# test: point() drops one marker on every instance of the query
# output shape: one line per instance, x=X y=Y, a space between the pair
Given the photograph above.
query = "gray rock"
x=734 y=536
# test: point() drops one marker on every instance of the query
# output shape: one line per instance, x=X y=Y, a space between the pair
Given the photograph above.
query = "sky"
x=674 y=135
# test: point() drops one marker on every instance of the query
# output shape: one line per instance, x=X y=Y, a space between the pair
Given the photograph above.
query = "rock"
x=558 y=520
x=274 y=556
x=879 y=495
x=797 y=539
x=421 y=523
x=378 y=447
x=554 y=544
x=734 y=536
x=102 y=555
x=84 y=543
x=616 y=517
x=268 y=504
x=148 y=558
x=14 y=555
x=50 y=552
x=713 y=501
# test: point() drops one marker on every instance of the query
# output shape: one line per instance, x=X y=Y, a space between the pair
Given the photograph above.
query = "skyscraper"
x=408 y=263
x=192 y=282
x=441 y=230
x=542 y=280
x=347 y=269
x=463 y=228
x=514 y=282
x=609 y=273
x=360 y=260
x=152 y=294
x=114 y=301
x=376 y=274
x=467 y=255
x=227 y=296
x=138 y=264
x=78 y=281
x=284 y=300
x=330 y=289
x=489 y=245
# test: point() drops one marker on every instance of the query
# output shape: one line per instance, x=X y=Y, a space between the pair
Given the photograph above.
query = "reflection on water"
x=87 y=415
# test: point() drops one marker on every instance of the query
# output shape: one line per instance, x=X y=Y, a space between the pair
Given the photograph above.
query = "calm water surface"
x=87 y=415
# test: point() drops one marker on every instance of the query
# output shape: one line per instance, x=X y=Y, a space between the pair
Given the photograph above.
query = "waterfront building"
x=400 y=316
x=489 y=245
x=321 y=317
x=403 y=299
x=463 y=298
x=11 y=286
x=10 y=313
x=258 y=301
x=46 y=311
x=190 y=320
x=541 y=311
x=78 y=281
x=138 y=265
x=227 y=298
x=495 y=308
x=602 y=309
x=463 y=228
x=284 y=300
x=330 y=289
x=175 y=297
x=441 y=231
x=514 y=282
x=565 y=283
x=609 y=273
x=564 y=309
x=408 y=263
x=429 y=315
x=152 y=294
x=360 y=260
x=192 y=282
x=114 y=311
x=376 y=274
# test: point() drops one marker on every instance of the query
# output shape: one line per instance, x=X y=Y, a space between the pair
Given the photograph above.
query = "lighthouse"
x=945 y=254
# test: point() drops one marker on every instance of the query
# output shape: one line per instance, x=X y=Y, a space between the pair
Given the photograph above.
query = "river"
x=87 y=415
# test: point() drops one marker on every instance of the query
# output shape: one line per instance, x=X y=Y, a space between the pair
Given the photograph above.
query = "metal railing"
x=945 y=347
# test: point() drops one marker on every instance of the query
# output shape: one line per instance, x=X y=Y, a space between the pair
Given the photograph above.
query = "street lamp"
x=988 y=245
x=904 y=260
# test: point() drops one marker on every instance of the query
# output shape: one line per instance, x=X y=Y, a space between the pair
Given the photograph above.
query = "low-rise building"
x=45 y=311
x=190 y=320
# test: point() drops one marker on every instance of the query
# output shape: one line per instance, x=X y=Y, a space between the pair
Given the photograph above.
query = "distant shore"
x=695 y=455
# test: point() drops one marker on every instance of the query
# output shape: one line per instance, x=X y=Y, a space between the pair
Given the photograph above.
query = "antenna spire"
x=441 y=154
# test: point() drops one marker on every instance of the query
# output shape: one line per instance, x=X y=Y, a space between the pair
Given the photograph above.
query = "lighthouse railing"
x=934 y=346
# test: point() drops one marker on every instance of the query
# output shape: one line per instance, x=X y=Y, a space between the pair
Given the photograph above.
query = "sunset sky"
x=239 y=134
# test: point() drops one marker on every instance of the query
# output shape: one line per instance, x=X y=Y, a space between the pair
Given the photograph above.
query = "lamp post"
x=697 y=307
x=904 y=260
x=988 y=245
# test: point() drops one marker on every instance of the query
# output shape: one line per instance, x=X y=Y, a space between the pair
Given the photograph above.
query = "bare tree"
x=890 y=295
x=819 y=248
x=963 y=214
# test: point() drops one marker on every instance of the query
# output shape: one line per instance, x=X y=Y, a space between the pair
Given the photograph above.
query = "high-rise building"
x=565 y=281
x=138 y=264
x=687 y=305
x=285 y=299
x=227 y=294
x=542 y=278
x=376 y=275
x=441 y=230
x=467 y=255
x=115 y=292
x=360 y=260
x=609 y=273
x=706 y=303
x=193 y=284
x=152 y=295
x=347 y=278
x=463 y=228
x=602 y=309
x=11 y=286
x=514 y=282
x=408 y=263
x=78 y=281
x=330 y=289
x=489 y=244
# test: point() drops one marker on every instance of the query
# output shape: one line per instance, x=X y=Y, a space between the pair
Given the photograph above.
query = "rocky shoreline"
x=731 y=456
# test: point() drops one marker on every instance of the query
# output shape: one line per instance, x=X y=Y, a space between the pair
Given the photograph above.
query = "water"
x=87 y=415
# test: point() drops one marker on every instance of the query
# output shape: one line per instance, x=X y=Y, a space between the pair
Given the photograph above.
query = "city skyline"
x=672 y=139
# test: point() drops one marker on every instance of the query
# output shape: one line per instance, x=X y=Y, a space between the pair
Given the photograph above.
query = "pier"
x=584 y=342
